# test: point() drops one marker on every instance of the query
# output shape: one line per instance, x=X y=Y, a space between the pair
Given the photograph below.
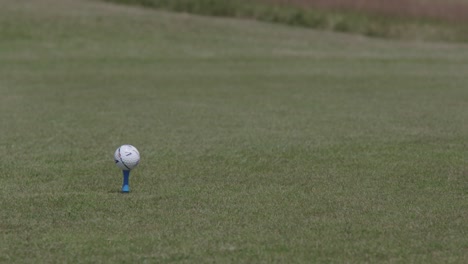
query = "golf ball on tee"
x=126 y=157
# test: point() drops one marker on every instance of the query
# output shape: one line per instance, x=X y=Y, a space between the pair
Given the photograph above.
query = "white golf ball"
x=126 y=157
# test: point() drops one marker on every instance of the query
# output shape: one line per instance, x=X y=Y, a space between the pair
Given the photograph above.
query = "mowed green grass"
x=260 y=143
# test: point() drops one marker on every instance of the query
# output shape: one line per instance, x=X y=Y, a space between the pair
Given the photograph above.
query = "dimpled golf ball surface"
x=126 y=157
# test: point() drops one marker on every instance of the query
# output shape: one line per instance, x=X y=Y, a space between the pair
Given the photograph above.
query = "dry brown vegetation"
x=428 y=20
x=439 y=9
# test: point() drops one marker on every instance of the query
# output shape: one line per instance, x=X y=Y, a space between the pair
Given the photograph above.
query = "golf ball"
x=126 y=157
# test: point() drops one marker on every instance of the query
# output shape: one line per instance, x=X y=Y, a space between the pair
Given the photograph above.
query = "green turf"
x=260 y=143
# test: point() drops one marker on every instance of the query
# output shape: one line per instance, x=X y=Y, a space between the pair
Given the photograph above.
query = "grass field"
x=260 y=143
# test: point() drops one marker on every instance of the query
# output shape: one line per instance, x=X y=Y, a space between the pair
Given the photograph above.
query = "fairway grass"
x=259 y=143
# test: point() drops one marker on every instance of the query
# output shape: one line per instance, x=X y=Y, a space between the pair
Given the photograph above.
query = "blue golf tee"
x=125 y=185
